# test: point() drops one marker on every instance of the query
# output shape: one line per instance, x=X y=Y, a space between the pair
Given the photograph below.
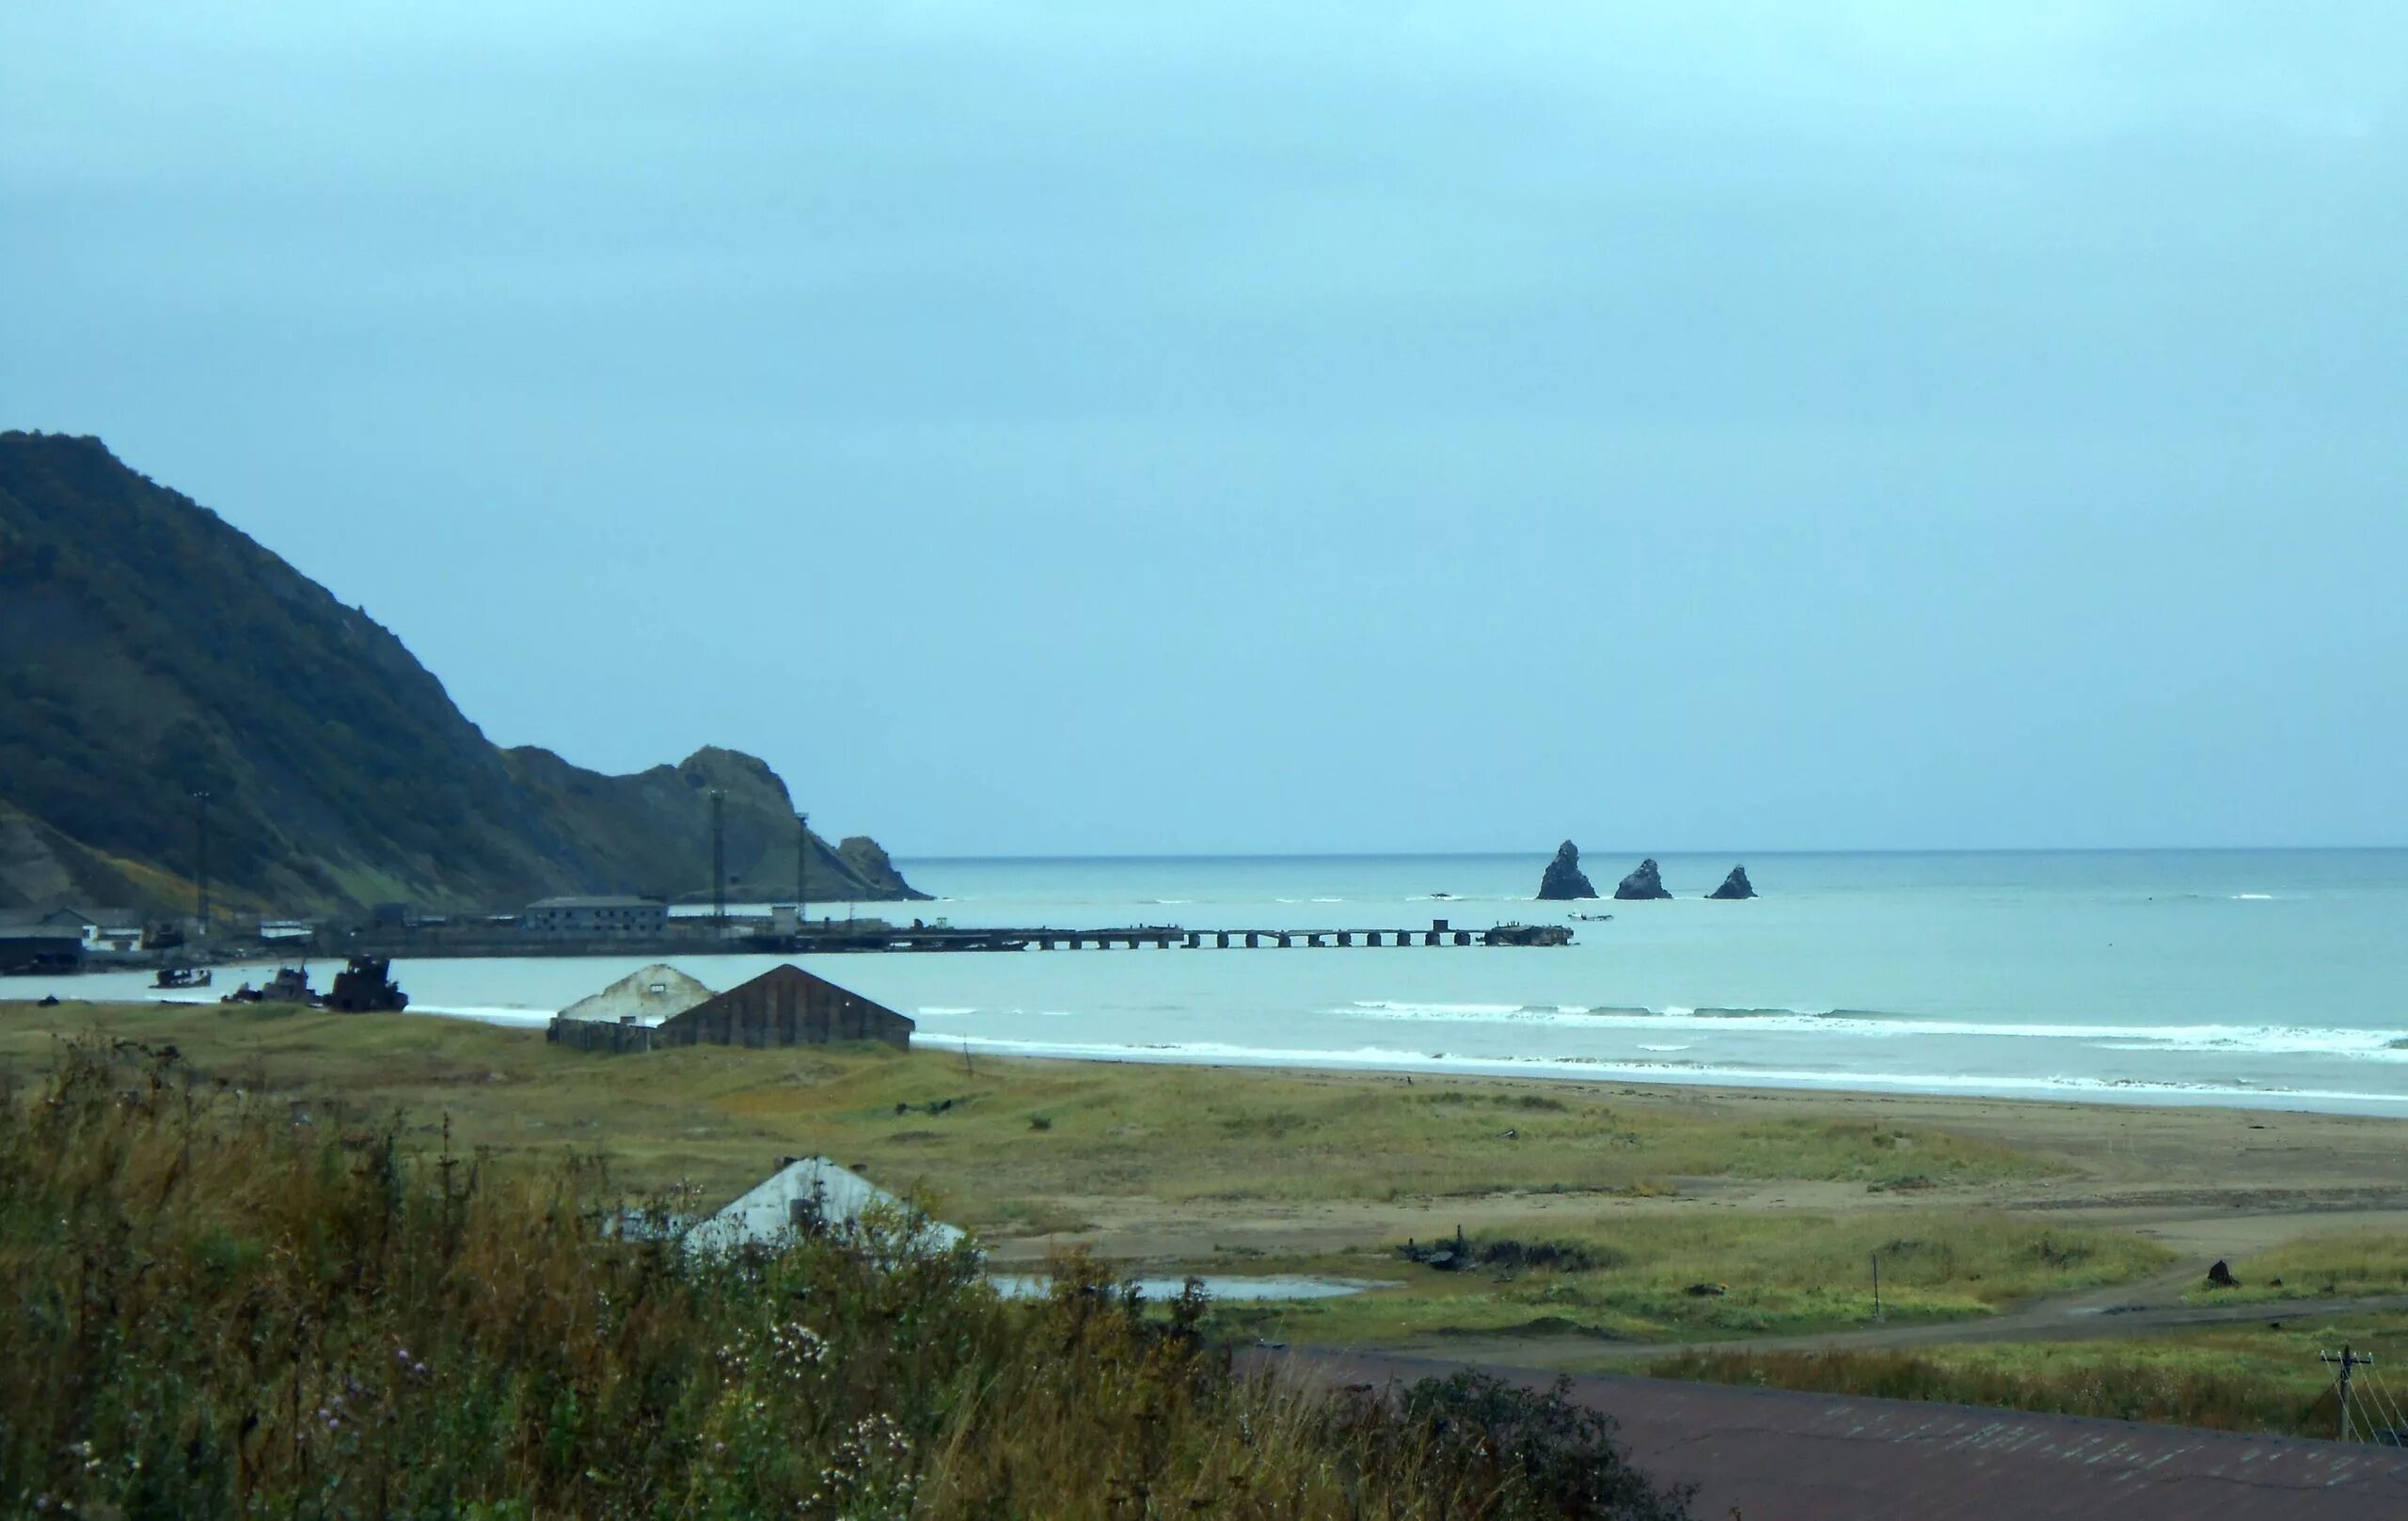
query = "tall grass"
x=217 y=1304
x=2171 y=1386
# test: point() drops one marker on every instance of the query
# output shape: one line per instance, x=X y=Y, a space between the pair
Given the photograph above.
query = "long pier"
x=698 y=937
x=1170 y=937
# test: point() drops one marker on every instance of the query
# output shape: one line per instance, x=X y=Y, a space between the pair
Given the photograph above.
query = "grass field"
x=1766 y=1273
x=1024 y=1148
x=2340 y=1265
x=1010 y=1145
x=1630 y=1197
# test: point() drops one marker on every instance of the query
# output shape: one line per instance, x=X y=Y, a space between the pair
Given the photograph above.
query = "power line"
x=2373 y=1407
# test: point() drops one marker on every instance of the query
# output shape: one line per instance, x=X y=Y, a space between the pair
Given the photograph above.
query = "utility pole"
x=201 y=875
x=718 y=862
x=1876 y=1286
x=2349 y=1362
x=801 y=856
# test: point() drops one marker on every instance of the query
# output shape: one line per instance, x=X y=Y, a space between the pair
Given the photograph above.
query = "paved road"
x=1775 y=1455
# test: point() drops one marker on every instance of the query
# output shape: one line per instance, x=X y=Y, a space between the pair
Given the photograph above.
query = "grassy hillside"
x=148 y=650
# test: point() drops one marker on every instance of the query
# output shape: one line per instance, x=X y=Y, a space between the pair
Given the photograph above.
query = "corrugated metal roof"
x=1778 y=1455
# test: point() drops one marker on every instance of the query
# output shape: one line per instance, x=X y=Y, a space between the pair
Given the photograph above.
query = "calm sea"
x=2255 y=978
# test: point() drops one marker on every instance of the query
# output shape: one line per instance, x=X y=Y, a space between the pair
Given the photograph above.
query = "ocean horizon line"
x=1635 y=853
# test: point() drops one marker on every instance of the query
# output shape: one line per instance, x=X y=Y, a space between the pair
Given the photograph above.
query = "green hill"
x=149 y=651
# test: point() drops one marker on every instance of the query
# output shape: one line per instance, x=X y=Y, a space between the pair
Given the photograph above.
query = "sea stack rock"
x=1736 y=885
x=1564 y=880
x=1645 y=883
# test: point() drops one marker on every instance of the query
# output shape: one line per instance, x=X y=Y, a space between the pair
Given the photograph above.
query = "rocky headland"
x=149 y=651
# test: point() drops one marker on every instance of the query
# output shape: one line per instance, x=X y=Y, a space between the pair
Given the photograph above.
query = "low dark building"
x=42 y=947
x=785 y=1006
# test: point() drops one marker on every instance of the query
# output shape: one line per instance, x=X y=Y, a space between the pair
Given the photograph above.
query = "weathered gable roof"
x=650 y=995
x=789 y=987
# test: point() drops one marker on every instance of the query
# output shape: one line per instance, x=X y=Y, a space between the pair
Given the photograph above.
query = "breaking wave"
x=1382 y=1058
x=2291 y=1039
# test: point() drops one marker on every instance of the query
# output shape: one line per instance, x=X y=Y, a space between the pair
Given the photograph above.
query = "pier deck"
x=839 y=939
x=1179 y=937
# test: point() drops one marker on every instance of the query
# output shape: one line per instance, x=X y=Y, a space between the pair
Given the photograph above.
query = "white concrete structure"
x=647 y=996
x=799 y=1196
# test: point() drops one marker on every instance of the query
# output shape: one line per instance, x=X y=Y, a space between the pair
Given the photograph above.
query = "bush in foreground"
x=218 y=1306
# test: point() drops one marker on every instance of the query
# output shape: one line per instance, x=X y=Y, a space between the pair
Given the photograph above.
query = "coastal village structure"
x=101 y=929
x=39 y=947
x=621 y=1017
x=785 y=1005
x=809 y=1194
x=590 y=918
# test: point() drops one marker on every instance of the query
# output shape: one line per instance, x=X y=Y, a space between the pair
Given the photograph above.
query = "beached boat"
x=366 y=986
x=291 y=985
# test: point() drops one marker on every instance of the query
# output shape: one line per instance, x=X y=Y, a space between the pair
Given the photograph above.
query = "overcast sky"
x=1095 y=428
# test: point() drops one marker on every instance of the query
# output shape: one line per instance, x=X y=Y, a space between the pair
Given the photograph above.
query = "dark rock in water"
x=2220 y=1277
x=1736 y=885
x=1564 y=880
x=1645 y=883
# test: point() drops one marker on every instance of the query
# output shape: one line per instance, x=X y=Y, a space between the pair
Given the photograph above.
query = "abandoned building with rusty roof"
x=785 y=1006
x=782 y=1006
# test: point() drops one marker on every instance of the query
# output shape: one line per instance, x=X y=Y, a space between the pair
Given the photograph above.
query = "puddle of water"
x=1235 y=1291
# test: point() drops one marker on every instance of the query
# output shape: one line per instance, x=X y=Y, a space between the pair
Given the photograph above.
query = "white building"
x=810 y=1194
x=105 y=929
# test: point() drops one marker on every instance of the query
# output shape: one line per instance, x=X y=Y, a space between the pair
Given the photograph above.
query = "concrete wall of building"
x=611 y=1038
